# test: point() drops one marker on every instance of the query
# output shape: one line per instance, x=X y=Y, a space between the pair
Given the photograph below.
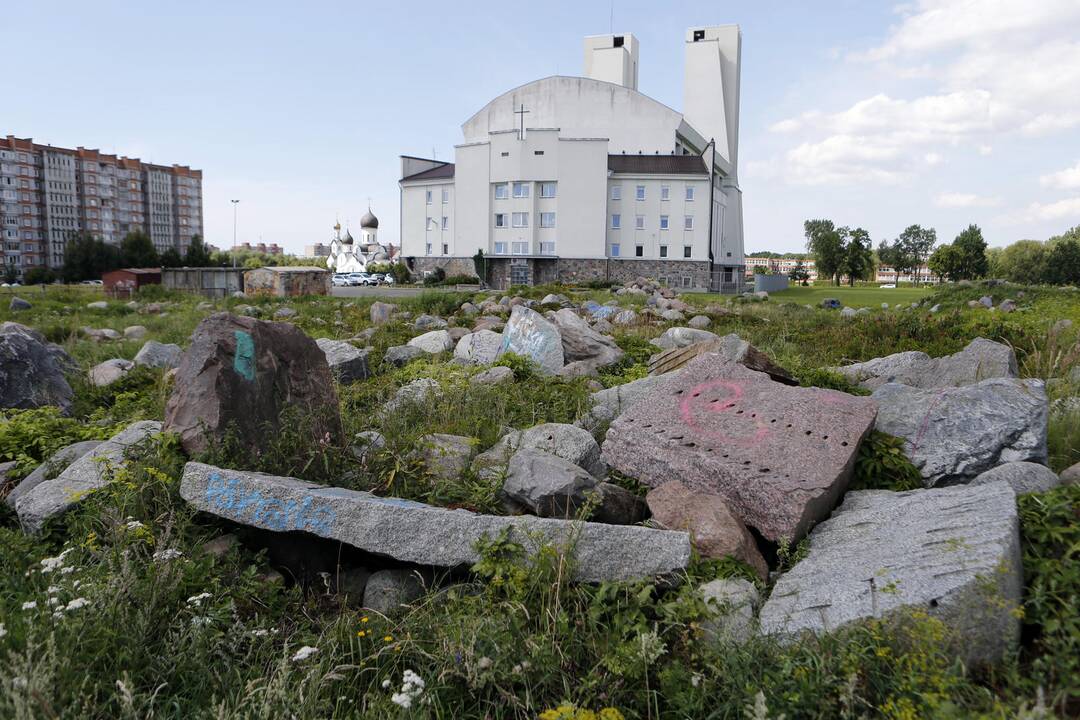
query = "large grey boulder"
x=109 y=371
x=17 y=303
x=381 y=312
x=445 y=457
x=546 y=484
x=730 y=346
x=1023 y=477
x=529 y=334
x=1071 y=475
x=980 y=360
x=413 y=532
x=433 y=342
x=429 y=322
x=135 y=332
x=583 y=346
x=402 y=355
x=493 y=376
x=780 y=456
x=90 y=472
x=56 y=464
x=347 y=362
x=954 y=433
x=415 y=393
x=479 y=348
x=953 y=553
x=732 y=603
x=240 y=374
x=32 y=369
x=569 y=442
x=681 y=337
x=158 y=355
x=387 y=592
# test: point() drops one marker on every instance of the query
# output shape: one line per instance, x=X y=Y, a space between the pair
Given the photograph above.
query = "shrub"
x=882 y=465
x=38 y=276
x=435 y=277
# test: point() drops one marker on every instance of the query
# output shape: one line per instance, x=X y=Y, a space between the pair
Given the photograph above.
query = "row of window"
x=639 y=192
x=639 y=222
x=522 y=189
x=639 y=250
x=521 y=219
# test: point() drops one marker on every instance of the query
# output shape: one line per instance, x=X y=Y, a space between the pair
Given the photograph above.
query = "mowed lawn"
x=867 y=296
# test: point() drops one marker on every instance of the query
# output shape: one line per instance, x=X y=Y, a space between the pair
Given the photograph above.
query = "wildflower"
x=19 y=683
x=304 y=653
x=388 y=638
x=402 y=699
x=385 y=683
x=361 y=633
x=54 y=563
x=67 y=570
x=54 y=601
x=29 y=605
x=77 y=604
x=364 y=619
x=3 y=631
x=200 y=621
x=53 y=589
x=133 y=525
x=166 y=555
x=412 y=687
x=695 y=680
x=196 y=600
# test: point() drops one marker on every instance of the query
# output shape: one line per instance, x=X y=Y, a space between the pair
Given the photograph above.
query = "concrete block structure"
x=585 y=178
x=287 y=281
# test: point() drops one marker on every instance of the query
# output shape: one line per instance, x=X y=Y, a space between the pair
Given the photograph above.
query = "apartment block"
x=49 y=193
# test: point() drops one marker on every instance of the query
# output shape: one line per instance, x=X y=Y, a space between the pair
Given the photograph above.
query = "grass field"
x=868 y=296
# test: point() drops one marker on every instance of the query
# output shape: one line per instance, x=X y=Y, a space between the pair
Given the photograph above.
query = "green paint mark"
x=244 y=364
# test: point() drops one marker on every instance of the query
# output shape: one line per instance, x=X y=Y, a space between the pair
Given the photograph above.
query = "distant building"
x=317 y=250
x=49 y=193
x=125 y=282
x=271 y=249
x=347 y=255
x=780 y=266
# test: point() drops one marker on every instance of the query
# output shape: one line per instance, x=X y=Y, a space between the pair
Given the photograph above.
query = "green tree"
x=11 y=274
x=400 y=273
x=38 y=276
x=1025 y=261
x=88 y=258
x=197 y=254
x=1063 y=263
x=826 y=244
x=480 y=265
x=137 y=251
x=799 y=273
x=947 y=262
x=171 y=258
x=761 y=270
x=914 y=247
x=970 y=251
x=858 y=261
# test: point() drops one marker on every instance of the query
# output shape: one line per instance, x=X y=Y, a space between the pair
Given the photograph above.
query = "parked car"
x=888 y=286
x=91 y=282
x=340 y=280
x=360 y=278
x=388 y=279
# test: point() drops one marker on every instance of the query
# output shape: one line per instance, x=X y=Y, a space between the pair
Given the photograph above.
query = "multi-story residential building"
x=781 y=266
x=49 y=193
x=271 y=249
x=317 y=250
x=581 y=178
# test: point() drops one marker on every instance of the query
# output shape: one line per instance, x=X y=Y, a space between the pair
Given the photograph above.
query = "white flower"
x=412 y=686
x=54 y=563
x=29 y=605
x=53 y=589
x=304 y=653
x=385 y=683
x=695 y=680
x=261 y=632
x=77 y=604
x=66 y=570
x=134 y=525
x=54 y=601
x=199 y=621
x=197 y=599
x=167 y=554
x=19 y=683
x=402 y=699
x=3 y=630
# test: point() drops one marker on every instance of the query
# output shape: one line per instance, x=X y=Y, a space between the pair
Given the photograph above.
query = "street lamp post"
x=233 y=253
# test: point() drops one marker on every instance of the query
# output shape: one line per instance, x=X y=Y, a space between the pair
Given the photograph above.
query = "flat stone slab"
x=953 y=434
x=780 y=456
x=88 y=473
x=951 y=552
x=56 y=464
x=413 y=532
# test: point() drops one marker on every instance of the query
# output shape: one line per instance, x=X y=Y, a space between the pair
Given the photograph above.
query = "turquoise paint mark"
x=244 y=364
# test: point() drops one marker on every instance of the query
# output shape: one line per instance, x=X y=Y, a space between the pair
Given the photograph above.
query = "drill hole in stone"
x=763 y=470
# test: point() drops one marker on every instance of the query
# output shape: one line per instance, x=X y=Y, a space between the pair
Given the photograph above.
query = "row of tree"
x=839 y=251
x=1054 y=262
x=87 y=257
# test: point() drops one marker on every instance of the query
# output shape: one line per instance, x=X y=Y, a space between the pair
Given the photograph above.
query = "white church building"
x=579 y=178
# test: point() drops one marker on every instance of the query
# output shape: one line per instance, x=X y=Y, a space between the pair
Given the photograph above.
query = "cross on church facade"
x=522 y=112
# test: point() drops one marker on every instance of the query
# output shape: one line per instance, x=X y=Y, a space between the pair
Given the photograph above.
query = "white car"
x=360 y=278
x=889 y=286
x=340 y=280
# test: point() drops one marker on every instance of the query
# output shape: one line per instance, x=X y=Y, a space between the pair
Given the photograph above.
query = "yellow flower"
x=364 y=619
x=361 y=634
x=388 y=638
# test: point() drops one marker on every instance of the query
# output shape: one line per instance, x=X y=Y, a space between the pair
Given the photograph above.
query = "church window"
x=616 y=221
x=521 y=190
x=614 y=249
x=500 y=191
x=664 y=223
x=688 y=222
x=689 y=193
x=445 y=195
x=427 y=196
x=639 y=222
x=500 y=248
x=520 y=219
x=500 y=220
x=639 y=192
x=547 y=219
x=639 y=251
x=547 y=190
x=616 y=192
x=687 y=251
x=665 y=192
x=663 y=251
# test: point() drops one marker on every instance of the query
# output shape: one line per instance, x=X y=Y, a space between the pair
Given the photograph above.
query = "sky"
x=872 y=114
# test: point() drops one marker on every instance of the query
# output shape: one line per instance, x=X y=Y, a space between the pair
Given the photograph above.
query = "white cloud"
x=1062 y=209
x=986 y=150
x=965 y=200
x=1002 y=68
x=1067 y=179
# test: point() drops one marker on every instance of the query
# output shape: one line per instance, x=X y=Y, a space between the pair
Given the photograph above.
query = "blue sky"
x=939 y=112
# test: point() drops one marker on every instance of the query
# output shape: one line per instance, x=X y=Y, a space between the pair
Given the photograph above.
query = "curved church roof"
x=369 y=220
x=582 y=108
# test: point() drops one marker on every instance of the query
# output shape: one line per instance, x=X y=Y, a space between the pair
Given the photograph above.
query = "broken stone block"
x=780 y=456
x=953 y=553
x=530 y=334
x=981 y=360
x=412 y=532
